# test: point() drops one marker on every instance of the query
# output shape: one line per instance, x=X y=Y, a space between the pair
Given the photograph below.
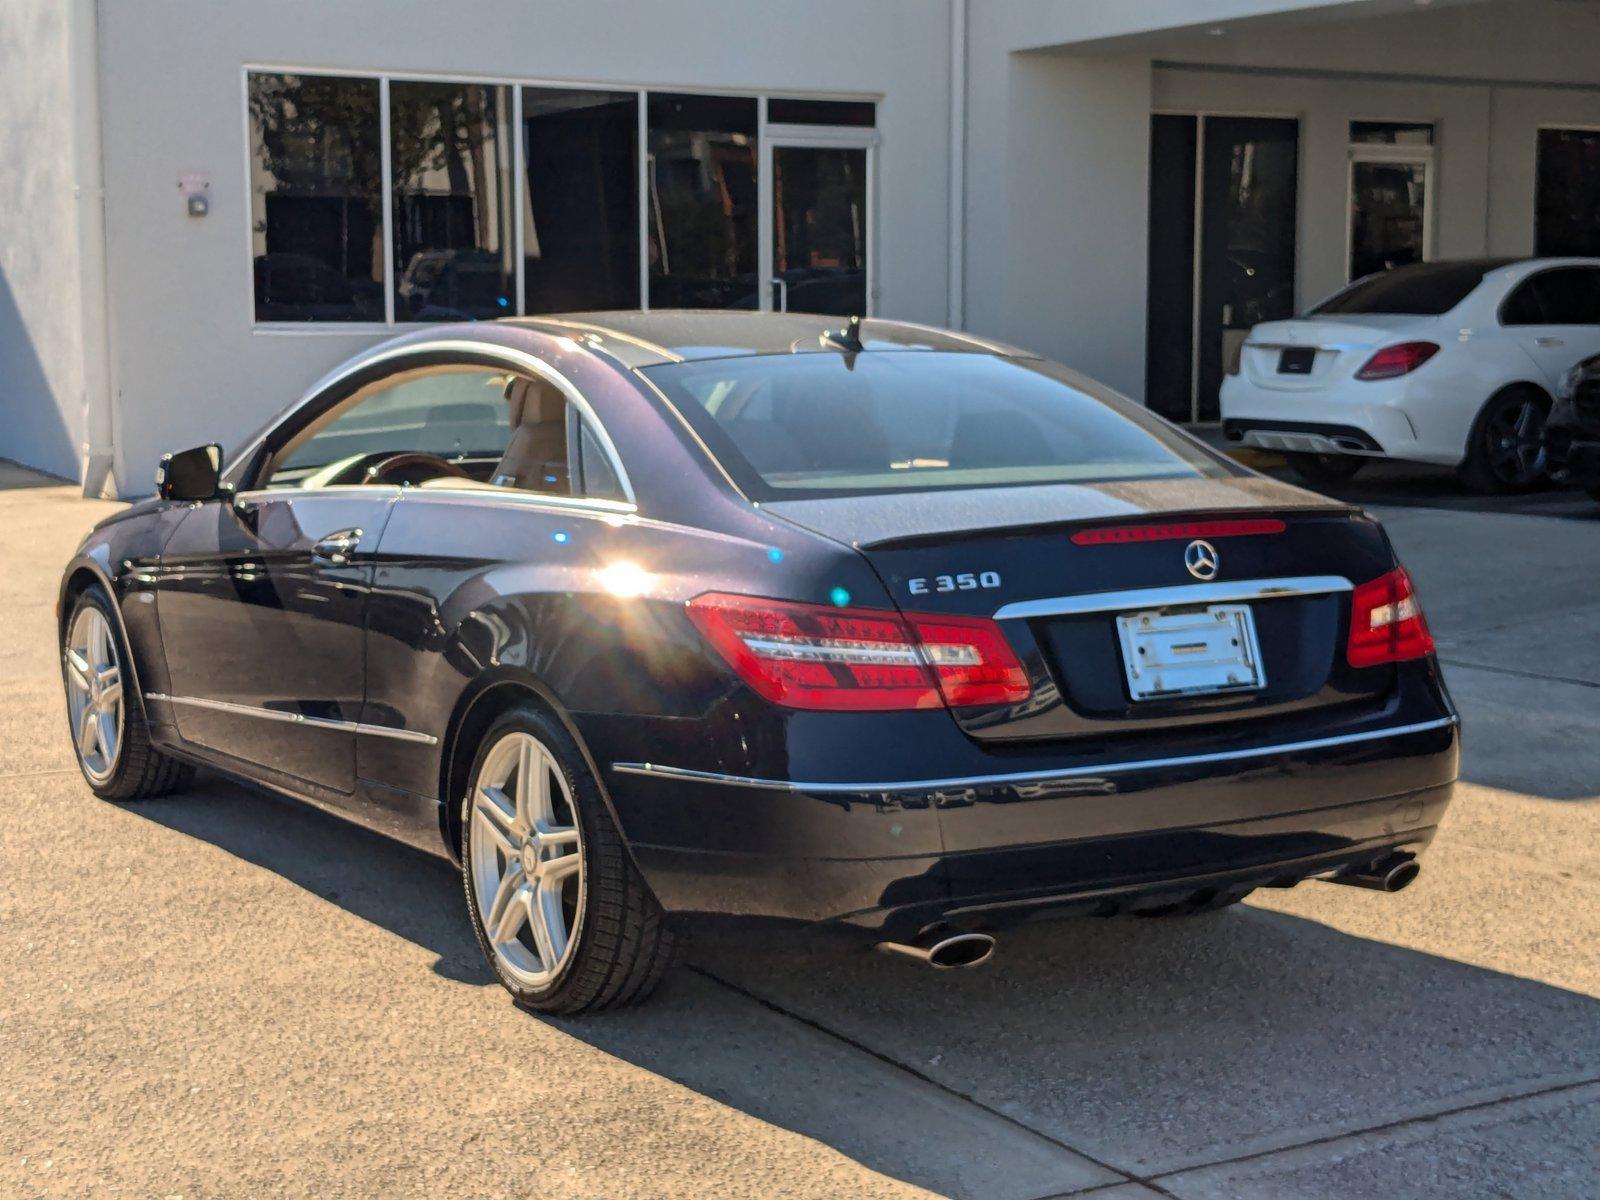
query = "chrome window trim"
x=1061 y=773
x=1135 y=599
x=507 y=356
x=586 y=505
x=271 y=714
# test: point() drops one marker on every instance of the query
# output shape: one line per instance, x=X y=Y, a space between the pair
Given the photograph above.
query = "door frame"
x=1424 y=156
x=1201 y=116
x=817 y=137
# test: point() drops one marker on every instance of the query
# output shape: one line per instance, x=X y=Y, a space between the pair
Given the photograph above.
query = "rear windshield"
x=1423 y=290
x=819 y=424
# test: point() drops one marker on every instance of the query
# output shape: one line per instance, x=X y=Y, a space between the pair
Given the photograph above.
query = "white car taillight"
x=1393 y=361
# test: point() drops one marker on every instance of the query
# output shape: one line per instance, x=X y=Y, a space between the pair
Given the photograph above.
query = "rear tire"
x=110 y=737
x=1324 y=468
x=563 y=917
x=1505 y=451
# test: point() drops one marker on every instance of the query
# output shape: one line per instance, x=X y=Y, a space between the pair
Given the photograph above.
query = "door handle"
x=337 y=548
x=783 y=293
x=1549 y=341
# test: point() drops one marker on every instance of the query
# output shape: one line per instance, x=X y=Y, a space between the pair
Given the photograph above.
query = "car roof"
x=642 y=339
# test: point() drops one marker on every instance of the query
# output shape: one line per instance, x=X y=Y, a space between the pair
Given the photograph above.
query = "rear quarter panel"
x=589 y=606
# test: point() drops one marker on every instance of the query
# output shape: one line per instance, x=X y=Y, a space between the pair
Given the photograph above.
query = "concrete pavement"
x=225 y=994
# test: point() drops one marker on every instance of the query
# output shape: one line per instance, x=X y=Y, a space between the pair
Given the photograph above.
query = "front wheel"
x=1324 y=468
x=1505 y=451
x=560 y=912
x=109 y=734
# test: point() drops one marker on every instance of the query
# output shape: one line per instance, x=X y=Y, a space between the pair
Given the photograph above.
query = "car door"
x=262 y=606
x=1554 y=316
x=466 y=572
x=264 y=596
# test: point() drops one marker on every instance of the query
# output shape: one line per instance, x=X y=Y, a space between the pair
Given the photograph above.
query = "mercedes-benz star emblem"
x=1201 y=559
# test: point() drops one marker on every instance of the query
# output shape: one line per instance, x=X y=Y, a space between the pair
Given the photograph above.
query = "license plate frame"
x=1193 y=652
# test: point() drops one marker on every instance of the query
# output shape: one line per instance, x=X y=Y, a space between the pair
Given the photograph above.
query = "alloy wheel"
x=526 y=859
x=1514 y=437
x=94 y=693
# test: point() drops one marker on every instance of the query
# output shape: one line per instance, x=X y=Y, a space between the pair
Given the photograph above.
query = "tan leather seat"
x=536 y=455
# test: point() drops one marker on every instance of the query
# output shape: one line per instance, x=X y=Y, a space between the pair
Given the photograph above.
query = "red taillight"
x=1393 y=361
x=1171 y=532
x=814 y=656
x=1386 y=622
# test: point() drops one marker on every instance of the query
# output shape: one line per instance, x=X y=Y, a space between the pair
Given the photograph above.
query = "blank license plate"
x=1191 y=653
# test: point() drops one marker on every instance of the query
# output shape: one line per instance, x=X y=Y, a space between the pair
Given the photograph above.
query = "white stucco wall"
x=189 y=365
x=1056 y=201
x=41 y=372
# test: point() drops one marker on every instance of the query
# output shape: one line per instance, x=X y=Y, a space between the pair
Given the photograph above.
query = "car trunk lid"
x=1102 y=586
x=1309 y=354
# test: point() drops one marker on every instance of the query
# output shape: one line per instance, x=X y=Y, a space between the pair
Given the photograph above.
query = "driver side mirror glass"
x=190 y=474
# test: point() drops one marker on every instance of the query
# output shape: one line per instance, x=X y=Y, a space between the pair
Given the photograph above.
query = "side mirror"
x=190 y=474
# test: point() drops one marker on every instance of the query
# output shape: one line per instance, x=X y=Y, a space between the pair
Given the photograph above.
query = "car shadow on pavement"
x=1149 y=1045
x=410 y=893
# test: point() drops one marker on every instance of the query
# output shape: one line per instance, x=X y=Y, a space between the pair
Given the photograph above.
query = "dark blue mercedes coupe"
x=649 y=619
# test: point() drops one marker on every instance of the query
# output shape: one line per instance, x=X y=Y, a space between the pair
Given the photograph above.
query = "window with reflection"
x=316 y=198
x=454 y=428
x=1388 y=215
x=1391 y=133
x=702 y=201
x=450 y=157
x=580 y=209
x=819 y=229
x=1567 y=208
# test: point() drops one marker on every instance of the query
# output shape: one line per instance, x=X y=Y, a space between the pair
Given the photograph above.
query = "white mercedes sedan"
x=1452 y=363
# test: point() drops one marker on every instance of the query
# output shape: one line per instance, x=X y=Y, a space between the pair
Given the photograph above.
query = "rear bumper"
x=987 y=849
x=1369 y=418
x=1305 y=437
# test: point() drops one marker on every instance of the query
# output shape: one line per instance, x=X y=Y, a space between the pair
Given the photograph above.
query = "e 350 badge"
x=966 y=581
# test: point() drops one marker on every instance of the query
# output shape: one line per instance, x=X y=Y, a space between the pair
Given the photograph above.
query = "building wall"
x=1057 y=145
x=1056 y=198
x=41 y=350
x=189 y=363
x=1485 y=147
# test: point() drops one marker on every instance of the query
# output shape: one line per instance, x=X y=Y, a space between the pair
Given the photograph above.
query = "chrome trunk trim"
x=1139 y=599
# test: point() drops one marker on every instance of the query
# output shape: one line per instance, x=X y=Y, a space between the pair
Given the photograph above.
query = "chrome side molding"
x=1137 y=599
x=272 y=714
x=1118 y=768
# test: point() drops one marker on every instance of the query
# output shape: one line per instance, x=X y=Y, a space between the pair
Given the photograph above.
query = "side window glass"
x=422 y=427
x=449 y=427
x=599 y=476
x=1522 y=307
x=1563 y=296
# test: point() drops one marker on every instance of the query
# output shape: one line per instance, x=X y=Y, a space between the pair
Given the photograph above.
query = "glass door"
x=1223 y=209
x=818 y=206
x=1391 y=195
x=1249 y=176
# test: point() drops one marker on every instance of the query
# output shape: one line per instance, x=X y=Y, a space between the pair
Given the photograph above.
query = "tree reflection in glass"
x=315 y=198
x=450 y=163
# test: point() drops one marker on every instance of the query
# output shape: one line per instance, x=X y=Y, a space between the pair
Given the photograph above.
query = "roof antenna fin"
x=847 y=339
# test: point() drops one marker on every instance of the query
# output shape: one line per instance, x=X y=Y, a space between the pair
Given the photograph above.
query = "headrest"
x=532 y=402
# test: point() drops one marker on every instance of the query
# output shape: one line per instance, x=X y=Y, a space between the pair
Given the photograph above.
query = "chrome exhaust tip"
x=945 y=951
x=1393 y=873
